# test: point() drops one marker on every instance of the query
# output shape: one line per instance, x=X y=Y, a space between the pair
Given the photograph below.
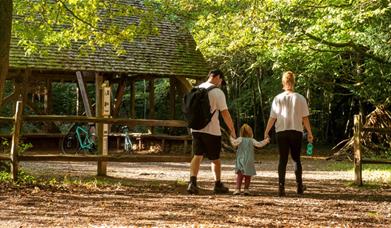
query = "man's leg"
x=216 y=169
x=195 y=163
x=198 y=148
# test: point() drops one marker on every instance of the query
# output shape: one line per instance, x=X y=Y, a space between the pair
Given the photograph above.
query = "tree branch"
x=358 y=48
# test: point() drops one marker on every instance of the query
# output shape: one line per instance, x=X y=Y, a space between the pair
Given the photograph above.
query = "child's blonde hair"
x=246 y=131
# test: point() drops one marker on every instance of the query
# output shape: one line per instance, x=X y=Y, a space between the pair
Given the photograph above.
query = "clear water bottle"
x=310 y=148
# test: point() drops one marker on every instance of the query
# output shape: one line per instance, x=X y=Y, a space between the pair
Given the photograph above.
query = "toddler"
x=244 y=165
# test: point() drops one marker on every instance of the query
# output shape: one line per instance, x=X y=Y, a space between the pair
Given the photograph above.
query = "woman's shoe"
x=237 y=192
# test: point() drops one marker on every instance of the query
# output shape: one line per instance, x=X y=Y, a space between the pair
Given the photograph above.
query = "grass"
x=373 y=174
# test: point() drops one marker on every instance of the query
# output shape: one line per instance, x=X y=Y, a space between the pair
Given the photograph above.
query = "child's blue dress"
x=245 y=157
x=245 y=154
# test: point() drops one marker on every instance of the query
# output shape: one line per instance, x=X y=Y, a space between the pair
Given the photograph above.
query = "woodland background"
x=340 y=51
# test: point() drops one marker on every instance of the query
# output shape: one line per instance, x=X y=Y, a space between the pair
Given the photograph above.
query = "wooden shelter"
x=172 y=55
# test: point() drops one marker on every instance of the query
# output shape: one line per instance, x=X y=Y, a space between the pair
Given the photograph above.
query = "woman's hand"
x=310 y=138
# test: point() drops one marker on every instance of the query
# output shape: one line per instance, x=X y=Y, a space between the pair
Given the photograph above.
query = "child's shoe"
x=237 y=192
x=247 y=192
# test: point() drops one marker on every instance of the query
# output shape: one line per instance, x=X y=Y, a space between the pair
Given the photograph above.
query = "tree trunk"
x=5 y=40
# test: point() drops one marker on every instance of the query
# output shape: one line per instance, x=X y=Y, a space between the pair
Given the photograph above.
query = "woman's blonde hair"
x=288 y=80
x=246 y=131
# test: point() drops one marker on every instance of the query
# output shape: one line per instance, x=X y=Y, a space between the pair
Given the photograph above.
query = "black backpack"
x=196 y=107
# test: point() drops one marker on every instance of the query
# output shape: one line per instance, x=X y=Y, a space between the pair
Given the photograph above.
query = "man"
x=207 y=141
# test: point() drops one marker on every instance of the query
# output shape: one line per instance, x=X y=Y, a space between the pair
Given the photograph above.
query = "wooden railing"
x=17 y=120
x=358 y=161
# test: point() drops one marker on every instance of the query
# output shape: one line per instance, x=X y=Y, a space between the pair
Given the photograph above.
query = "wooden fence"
x=358 y=161
x=14 y=157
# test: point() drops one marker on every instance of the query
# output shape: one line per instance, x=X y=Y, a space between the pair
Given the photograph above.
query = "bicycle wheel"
x=69 y=144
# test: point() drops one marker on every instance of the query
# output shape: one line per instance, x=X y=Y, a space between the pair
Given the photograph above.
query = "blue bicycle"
x=81 y=137
x=127 y=142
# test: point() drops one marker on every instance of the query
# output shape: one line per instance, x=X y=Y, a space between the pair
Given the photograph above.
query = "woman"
x=289 y=112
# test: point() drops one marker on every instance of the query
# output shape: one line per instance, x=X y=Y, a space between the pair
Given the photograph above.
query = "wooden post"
x=106 y=107
x=357 y=150
x=132 y=100
x=98 y=113
x=172 y=98
x=84 y=94
x=152 y=101
x=15 y=141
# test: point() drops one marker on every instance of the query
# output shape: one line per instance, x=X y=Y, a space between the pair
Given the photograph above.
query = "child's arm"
x=261 y=143
x=235 y=142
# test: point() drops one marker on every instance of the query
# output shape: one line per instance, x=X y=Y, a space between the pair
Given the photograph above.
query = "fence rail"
x=17 y=120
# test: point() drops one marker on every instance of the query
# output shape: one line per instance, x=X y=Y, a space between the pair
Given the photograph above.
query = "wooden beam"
x=9 y=98
x=152 y=101
x=366 y=161
x=132 y=99
x=118 y=97
x=6 y=119
x=98 y=114
x=115 y=158
x=15 y=141
x=357 y=150
x=172 y=97
x=83 y=93
x=48 y=99
x=130 y=122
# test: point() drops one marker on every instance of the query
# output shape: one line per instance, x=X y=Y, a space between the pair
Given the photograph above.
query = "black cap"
x=216 y=72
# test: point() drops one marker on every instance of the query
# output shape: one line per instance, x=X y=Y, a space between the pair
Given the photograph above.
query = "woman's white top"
x=289 y=108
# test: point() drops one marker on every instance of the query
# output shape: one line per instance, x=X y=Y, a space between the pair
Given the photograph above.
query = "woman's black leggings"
x=289 y=141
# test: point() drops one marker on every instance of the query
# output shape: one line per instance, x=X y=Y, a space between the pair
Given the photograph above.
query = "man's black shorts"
x=207 y=145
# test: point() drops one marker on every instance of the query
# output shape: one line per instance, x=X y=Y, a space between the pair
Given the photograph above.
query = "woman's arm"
x=261 y=143
x=269 y=126
x=307 y=126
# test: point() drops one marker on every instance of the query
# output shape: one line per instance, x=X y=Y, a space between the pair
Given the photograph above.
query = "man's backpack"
x=196 y=107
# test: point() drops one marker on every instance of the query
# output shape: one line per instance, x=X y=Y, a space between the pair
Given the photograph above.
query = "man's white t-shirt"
x=217 y=102
x=289 y=108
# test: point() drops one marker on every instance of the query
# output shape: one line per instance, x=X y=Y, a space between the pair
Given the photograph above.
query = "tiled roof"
x=173 y=52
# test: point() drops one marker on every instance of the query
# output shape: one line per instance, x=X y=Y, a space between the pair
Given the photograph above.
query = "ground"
x=154 y=195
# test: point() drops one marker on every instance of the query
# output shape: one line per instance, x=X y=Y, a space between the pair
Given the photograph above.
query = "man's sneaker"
x=247 y=192
x=192 y=188
x=220 y=188
x=281 y=191
x=301 y=189
x=237 y=192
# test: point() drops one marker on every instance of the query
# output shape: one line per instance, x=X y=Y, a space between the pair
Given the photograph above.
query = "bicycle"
x=79 y=138
x=127 y=142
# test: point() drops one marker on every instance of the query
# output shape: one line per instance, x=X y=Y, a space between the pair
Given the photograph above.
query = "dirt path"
x=153 y=194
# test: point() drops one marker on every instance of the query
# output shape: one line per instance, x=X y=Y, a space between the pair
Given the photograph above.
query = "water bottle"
x=310 y=147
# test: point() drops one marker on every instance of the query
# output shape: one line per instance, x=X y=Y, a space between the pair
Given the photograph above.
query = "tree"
x=5 y=39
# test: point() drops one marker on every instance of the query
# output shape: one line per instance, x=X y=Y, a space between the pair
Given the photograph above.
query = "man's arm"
x=228 y=121
x=269 y=126
x=307 y=126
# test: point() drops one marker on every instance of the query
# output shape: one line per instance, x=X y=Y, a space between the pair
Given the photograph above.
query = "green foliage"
x=23 y=178
x=62 y=22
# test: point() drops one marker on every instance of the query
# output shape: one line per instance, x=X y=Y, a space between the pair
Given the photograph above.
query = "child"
x=244 y=167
